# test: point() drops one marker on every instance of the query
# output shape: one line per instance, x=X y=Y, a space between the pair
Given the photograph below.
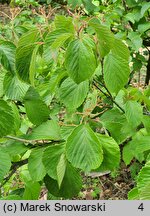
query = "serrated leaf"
x=61 y=169
x=2 y=75
x=51 y=39
x=111 y=153
x=70 y=93
x=133 y=194
x=48 y=130
x=51 y=158
x=91 y=101
x=36 y=109
x=35 y=165
x=89 y=6
x=7 y=55
x=14 y=88
x=14 y=148
x=143 y=182
x=116 y=123
x=5 y=163
x=143 y=27
x=104 y=35
x=6 y=118
x=133 y=112
x=146 y=122
x=83 y=149
x=74 y=3
x=116 y=72
x=24 y=52
x=32 y=190
x=145 y=7
x=71 y=184
x=11 y=197
x=16 y=115
x=135 y=147
x=80 y=61
x=136 y=40
x=60 y=40
x=120 y=49
x=32 y=68
x=66 y=131
x=64 y=23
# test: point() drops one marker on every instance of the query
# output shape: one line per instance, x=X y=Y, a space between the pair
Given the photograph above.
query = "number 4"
x=141 y=207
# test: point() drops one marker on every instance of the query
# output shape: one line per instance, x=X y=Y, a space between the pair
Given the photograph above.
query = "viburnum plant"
x=65 y=108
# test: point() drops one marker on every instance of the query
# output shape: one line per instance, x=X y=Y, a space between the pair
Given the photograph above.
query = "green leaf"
x=5 y=163
x=89 y=6
x=80 y=61
x=14 y=88
x=61 y=168
x=14 y=148
x=135 y=147
x=146 y=122
x=111 y=153
x=51 y=158
x=35 y=165
x=74 y=3
x=60 y=40
x=116 y=123
x=91 y=101
x=71 y=184
x=53 y=36
x=120 y=49
x=70 y=93
x=64 y=23
x=143 y=182
x=104 y=35
x=48 y=130
x=143 y=27
x=7 y=55
x=32 y=190
x=66 y=131
x=133 y=112
x=116 y=72
x=136 y=40
x=6 y=118
x=133 y=194
x=145 y=194
x=2 y=75
x=145 y=7
x=24 y=52
x=11 y=197
x=36 y=109
x=83 y=149
x=32 y=68
x=16 y=114
x=51 y=42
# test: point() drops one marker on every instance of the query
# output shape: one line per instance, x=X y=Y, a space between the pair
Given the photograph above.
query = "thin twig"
x=34 y=142
x=20 y=139
x=14 y=168
x=108 y=96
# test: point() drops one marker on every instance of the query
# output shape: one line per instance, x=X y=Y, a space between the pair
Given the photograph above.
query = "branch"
x=108 y=96
x=14 y=168
x=20 y=139
x=124 y=5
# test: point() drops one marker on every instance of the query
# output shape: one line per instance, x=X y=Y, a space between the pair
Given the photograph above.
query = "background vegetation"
x=75 y=99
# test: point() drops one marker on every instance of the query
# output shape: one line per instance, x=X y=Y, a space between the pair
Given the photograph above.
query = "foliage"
x=66 y=105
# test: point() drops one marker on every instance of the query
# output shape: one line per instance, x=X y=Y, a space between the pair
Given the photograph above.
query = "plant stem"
x=20 y=139
x=34 y=142
x=108 y=96
x=14 y=168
